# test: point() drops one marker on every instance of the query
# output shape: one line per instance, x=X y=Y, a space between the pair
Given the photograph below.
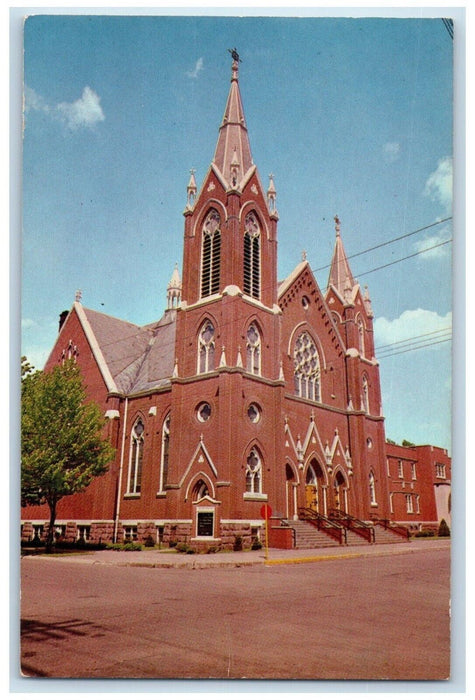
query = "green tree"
x=62 y=443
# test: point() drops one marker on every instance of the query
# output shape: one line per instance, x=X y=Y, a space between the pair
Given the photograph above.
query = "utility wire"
x=416 y=347
x=415 y=337
x=392 y=240
x=413 y=255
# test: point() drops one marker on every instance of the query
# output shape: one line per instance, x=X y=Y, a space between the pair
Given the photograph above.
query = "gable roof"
x=131 y=358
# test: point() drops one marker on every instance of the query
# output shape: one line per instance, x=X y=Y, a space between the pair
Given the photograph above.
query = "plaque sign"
x=205 y=524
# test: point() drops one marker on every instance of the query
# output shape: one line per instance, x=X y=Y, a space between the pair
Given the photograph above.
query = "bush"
x=425 y=533
x=149 y=541
x=256 y=543
x=444 y=530
x=184 y=548
x=125 y=546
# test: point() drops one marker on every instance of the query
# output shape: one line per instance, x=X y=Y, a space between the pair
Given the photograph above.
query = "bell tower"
x=230 y=239
x=227 y=383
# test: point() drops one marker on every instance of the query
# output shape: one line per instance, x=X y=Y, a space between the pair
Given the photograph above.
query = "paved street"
x=368 y=617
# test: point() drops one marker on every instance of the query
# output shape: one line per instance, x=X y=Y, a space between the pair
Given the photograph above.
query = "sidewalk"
x=155 y=558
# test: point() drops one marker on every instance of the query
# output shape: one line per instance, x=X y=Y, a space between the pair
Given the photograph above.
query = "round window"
x=254 y=413
x=203 y=412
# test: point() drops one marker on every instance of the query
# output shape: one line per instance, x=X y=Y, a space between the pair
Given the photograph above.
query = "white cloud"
x=432 y=244
x=391 y=151
x=34 y=101
x=27 y=323
x=411 y=323
x=84 y=112
x=196 y=70
x=439 y=184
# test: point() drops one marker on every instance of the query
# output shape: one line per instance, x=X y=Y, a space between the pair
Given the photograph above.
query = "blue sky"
x=352 y=116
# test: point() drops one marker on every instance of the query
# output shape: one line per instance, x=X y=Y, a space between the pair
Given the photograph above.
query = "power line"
x=407 y=257
x=413 y=338
x=416 y=347
x=392 y=240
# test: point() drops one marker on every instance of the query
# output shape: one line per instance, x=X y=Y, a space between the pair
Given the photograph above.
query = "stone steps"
x=307 y=536
x=383 y=536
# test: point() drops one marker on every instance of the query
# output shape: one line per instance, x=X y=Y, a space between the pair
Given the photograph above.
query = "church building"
x=248 y=392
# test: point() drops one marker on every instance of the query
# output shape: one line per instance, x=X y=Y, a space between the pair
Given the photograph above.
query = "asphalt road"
x=365 y=618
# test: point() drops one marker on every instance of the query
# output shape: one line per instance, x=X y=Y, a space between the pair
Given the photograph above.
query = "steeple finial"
x=337 y=224
x=233 y=141
x=340 y=275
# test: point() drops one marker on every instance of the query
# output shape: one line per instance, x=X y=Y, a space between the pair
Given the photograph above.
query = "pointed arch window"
x=360 y=326
x=211 y=254
x=136 y=458
x=372 y=489
x=253 y=472
x=200 y=490
x=365 y=396
x=206 y=348
x=253 y=350
x=252 y=256
x=164 y=454
x=306 y=368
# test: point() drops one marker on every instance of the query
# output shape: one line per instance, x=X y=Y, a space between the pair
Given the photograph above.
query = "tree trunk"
x=52 y=520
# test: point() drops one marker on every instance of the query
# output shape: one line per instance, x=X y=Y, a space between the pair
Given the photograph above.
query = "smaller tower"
x=191 y=191
x=174 y=290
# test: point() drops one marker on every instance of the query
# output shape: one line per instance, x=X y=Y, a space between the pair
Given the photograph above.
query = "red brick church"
x=248 y=391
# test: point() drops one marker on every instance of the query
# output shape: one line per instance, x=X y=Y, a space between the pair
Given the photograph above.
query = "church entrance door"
x=311 y=496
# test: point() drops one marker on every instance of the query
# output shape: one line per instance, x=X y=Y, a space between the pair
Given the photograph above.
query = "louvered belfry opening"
x=252 y=263
x=211 y=259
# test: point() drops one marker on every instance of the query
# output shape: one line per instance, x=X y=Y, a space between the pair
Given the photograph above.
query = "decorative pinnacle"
x=78 y=295
x=337 y=225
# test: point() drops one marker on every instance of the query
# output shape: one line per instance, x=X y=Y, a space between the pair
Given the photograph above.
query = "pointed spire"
x=340 y=275
x=239 y=358
x=174 y=289
x=233 y=141
x=191 y=190
x=367 y=302
x=271 y=195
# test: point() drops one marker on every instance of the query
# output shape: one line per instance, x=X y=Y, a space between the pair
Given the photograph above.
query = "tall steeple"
x=340 y=277
x=233 y=156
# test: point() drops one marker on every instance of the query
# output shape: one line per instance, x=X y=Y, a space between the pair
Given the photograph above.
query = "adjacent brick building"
x=248 y=391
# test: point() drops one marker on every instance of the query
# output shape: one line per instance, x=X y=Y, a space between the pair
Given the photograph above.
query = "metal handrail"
x=354 y=524
x=321 y=522
x=393 y=527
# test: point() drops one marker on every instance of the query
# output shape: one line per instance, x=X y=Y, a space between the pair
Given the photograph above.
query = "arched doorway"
x=291 y=483
x=315 y=496
x=340 y=492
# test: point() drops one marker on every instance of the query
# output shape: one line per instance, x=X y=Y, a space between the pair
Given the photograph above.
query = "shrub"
x=132 y=547
x=256 y=543
x=125 y=546
x=149 y=541
x=425 y=533
x=444 y=530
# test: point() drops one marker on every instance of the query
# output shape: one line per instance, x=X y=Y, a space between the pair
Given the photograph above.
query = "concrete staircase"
x=307 y=536
x=383 y=536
